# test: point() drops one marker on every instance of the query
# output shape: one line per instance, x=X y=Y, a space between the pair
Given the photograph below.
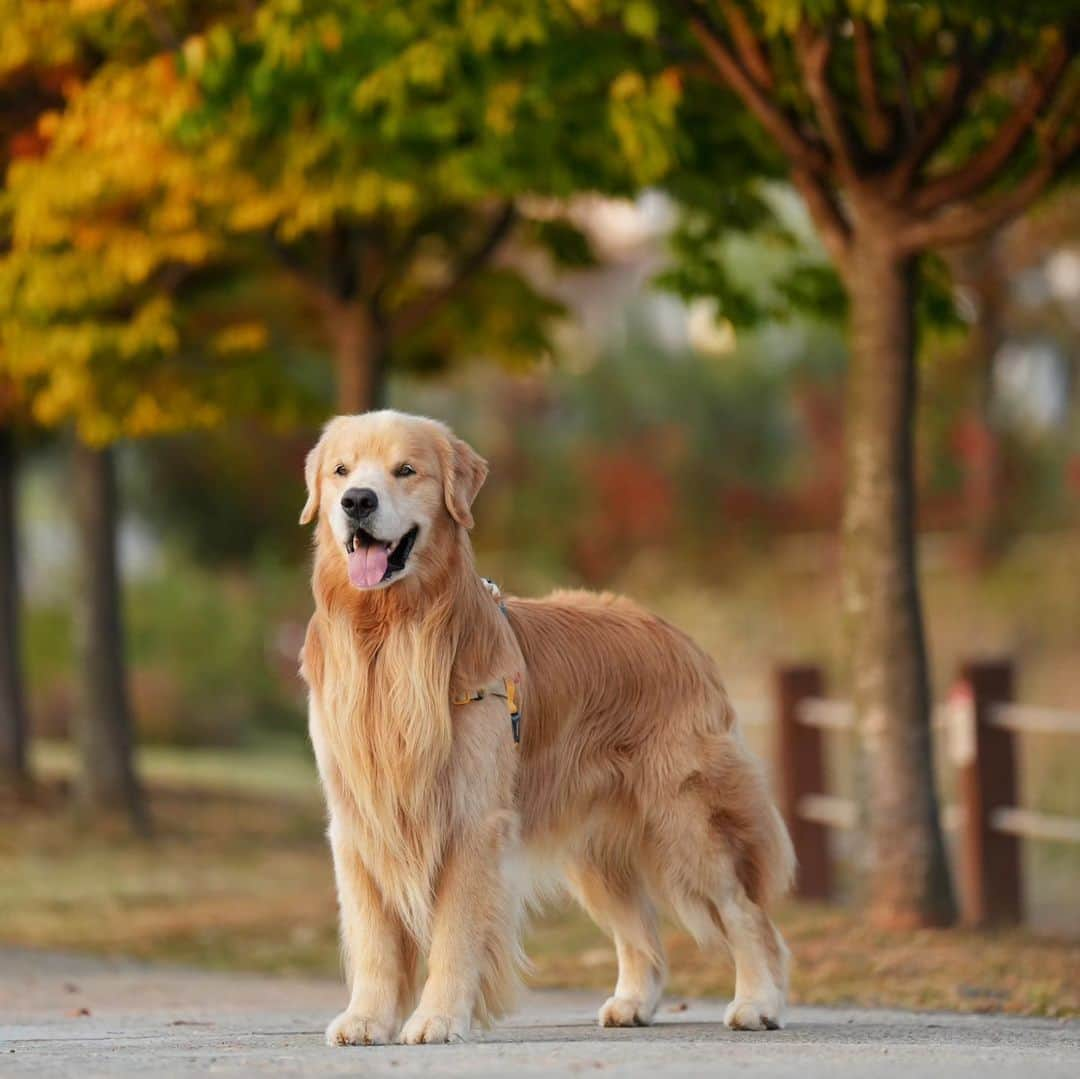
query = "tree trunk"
x=909 y=881
x=360 y=357
x=14 y=769
x=102 y=722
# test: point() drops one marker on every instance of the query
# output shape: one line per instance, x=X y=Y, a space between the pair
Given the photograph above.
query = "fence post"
x=800 y=760
x=985 y=756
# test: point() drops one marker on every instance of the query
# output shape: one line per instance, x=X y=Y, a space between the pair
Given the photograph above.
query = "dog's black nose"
x=359 y=502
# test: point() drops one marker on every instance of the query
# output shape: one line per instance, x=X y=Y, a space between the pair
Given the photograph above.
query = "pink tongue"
x=367 y=565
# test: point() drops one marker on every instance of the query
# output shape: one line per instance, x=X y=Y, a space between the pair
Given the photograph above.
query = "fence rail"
x=1028 y=719
x=1028 y=824
x=982 y=725
x=829 y=810
x=827 y=714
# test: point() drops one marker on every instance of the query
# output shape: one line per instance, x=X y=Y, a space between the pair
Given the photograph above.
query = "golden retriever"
x=631 y=781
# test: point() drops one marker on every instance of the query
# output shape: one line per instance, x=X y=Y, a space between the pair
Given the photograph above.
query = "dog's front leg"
x=472 y=934
x=379 y=960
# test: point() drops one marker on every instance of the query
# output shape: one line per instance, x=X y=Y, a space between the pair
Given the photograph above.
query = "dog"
x=631 y=782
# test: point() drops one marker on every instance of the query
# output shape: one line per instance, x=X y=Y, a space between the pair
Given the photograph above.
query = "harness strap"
x=506 y=688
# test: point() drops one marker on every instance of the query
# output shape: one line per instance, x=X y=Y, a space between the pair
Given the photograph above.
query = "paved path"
x=163 y=1022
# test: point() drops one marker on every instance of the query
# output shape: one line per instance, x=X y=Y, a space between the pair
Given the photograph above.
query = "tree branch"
x=879 y=127
x=800 y=151
x=373 y=264
x=319 y=294
x=342 y=262
x=810 y=163
x=983 y=168
x=907 y=103
x=1056 y=118
x=412 y=315
x=813 y=51
x=964 y=222
x=827 y=216
x=750 y=49
x=960 y=81
x=161 y=27
x=395 y=268
x=935 y=126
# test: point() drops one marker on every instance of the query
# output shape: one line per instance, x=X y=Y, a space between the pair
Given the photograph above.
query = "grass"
x=284 y=769
x=238 y=877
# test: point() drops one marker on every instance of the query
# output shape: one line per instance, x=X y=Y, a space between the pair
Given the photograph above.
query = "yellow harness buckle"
x=514 y=710
x=509 y=688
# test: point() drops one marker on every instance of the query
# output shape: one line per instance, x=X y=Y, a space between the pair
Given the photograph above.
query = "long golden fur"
x=631 y=783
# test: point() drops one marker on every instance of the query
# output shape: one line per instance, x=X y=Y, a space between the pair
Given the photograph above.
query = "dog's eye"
x=404 y=470
x=341 y=470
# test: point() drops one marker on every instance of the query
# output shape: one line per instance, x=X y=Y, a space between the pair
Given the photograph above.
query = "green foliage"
x=566 y=243
x=212 y=655
x=702 y=267
x=813 y=287
x=397 y=129
x=754 y=253
x=364 y=151
x=911 y=54
x=60 y=34
x=212 y=496
x=246 y=683
x=361 y=149
x=427 y=102
x=101 y=317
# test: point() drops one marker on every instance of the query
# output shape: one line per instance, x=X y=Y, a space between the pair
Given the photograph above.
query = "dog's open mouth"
x=374 y=561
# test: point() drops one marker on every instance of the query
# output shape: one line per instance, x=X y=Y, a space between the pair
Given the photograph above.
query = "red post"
x=985 y=757
x=800 y=758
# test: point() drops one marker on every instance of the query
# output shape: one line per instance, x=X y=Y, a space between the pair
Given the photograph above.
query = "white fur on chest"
x=380 y=729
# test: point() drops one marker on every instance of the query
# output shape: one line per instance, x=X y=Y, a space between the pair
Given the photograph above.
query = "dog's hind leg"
x=725 y=914
x=761 y=964
x=616 y=899
x=706 y=879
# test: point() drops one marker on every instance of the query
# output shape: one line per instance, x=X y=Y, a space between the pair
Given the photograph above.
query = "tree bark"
x=908 y=880
x=360 y=349
x=102 y=721
x=14 y=768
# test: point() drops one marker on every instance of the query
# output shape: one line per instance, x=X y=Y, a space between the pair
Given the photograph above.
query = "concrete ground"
x=62 y=1015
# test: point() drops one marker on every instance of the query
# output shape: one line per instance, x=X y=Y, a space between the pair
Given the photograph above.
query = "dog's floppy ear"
x=313 y=478
x=464 y=472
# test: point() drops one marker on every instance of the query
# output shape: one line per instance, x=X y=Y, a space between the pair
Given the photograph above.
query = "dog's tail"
x=743 y=813
x=777 y=871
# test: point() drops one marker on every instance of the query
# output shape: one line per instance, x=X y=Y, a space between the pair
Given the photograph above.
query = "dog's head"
x=386 y=486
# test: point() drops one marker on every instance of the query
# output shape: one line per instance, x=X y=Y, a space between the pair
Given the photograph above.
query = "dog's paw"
x=424 y=1028
x=624 y=1012
x=750 y=1014
x=351 y=1029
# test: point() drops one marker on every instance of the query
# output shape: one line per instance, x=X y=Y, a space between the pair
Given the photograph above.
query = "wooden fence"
x=982 y=725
